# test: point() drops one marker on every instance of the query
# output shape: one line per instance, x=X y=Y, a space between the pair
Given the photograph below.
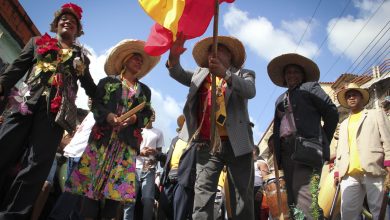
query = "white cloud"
x=264 y=38
x=348 y=27
x=167 y=108
x=257 y=134
x=96 y=68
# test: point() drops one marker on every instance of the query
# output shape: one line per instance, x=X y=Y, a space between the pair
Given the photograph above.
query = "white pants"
x=354 y=188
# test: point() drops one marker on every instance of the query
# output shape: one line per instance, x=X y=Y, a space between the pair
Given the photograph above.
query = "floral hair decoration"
x=70 y=8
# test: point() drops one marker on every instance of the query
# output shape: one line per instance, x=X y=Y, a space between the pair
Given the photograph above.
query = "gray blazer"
x=237 y=123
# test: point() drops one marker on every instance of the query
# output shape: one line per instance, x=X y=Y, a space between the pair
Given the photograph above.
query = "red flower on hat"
x=46 y=43
x=77 y=9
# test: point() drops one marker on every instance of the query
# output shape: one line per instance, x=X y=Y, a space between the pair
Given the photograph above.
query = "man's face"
x=354 y=99
x=223 y=54
x=293 y=76
x=67 y=24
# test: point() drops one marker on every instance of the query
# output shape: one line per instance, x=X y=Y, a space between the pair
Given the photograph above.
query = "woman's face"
x=293 y=76
x=67 y=24
x=134 y=63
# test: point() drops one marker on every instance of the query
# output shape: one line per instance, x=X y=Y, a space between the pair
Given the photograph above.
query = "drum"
x=271 y=195
x=326 y=194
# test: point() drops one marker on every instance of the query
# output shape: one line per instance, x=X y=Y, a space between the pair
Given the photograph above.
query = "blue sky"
x=267 y=29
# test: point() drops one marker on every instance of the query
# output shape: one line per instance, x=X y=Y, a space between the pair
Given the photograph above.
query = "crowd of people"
x=113 y=151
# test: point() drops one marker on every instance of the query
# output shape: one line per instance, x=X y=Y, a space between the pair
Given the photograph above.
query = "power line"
x=331 y=30
x=338 y=58
x=307 y=27
x=367 y=48
x=375 y=55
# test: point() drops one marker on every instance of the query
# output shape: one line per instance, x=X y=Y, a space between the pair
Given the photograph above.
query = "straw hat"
x=201 y=50
x=121 y=51
x=69 y=8
x=276 y=67
x=180 y=122
x=352 y=86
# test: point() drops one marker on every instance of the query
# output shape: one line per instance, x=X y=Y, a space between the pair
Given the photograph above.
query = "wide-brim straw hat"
x=236 y=48
x=114 y=63
x=352 y=86
x=277 y=65
x=180 y=122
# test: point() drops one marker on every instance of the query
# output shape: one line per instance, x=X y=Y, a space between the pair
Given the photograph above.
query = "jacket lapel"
x=363 y=117
x=197 y=81
x=229 y=89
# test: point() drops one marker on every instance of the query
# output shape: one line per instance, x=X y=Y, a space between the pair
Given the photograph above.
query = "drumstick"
x=278 y=195
x=131 y=112
x=334 y=201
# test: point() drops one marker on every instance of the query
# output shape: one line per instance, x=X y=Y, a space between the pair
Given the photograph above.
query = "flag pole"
x=214 y=79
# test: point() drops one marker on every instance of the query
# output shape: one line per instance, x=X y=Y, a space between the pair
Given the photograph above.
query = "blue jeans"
x=145 y=183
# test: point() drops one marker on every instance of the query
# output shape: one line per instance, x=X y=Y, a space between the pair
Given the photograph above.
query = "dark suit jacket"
x=108 y=103
x=310 y=104
x=187 y=166
x=25 y=64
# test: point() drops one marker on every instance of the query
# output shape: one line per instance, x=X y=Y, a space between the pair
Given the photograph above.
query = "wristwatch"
x=228 y=75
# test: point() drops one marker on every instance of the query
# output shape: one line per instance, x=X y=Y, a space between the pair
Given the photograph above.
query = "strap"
x=289 y=118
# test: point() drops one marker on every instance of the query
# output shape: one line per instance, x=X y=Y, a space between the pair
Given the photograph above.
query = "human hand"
x=128 y=121
x=112 y=119
x=216 y=67
x=336 y=180
x=1 y=119
x=146 y=151
x=177 y=49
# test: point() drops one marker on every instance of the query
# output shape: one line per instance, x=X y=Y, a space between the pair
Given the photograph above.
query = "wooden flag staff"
x=214 y=79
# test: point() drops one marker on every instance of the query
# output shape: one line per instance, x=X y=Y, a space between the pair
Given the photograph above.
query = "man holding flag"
x=234 y=87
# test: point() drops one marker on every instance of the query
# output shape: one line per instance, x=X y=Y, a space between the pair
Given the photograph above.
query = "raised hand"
x=177 y=49
x=216 y=67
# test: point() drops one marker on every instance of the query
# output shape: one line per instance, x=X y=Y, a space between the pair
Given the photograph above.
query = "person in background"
x=298 y=112
x=177 y=196
x=68 y=204
x=52 y=67
x=362 y=155
x=150 y=153
x=386 y=106
x=106 y=170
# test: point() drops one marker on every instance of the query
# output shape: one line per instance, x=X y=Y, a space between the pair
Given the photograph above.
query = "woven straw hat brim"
x=200 y=51
x=122 y=50
x=276 y=66
x=343 y=101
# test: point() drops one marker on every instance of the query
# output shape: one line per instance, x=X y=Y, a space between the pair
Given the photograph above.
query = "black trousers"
x=176 y=201
x=36 y=134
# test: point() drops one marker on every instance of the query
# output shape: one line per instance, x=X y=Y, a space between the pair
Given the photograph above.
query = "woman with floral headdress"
x=107 y=168
x=42 y=107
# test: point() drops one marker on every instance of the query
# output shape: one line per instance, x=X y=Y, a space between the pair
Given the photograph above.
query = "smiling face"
x=67 y=25
x=134 y=63
x=354 y=99
x=293 y=76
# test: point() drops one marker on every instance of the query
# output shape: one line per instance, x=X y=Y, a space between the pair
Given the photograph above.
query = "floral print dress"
x=107 y=171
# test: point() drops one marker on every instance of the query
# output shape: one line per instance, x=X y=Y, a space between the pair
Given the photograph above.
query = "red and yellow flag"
x=191 y=17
